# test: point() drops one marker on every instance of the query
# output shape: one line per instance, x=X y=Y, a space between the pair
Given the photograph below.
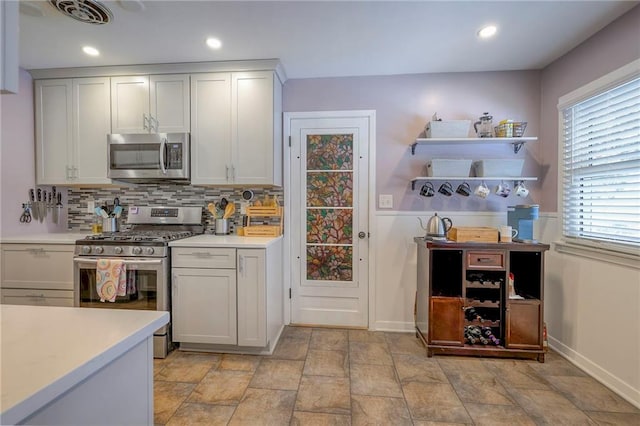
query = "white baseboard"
x=399 y=326
x=612 y=382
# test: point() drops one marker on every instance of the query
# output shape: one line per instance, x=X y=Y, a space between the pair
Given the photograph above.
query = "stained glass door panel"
x=329 y=207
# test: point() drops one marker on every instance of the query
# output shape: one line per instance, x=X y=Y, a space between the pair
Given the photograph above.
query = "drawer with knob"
x=485 y=260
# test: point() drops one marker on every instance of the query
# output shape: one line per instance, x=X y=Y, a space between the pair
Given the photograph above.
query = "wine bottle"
x=486 y=331
x=471 y=314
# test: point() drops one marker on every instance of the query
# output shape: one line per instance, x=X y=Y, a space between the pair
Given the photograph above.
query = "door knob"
x=361 y=235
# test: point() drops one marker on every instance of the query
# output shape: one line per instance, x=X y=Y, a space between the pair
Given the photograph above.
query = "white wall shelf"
x=470 y=178
x=516 y=142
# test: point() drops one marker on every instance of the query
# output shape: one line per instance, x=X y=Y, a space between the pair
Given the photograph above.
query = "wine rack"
x=483 y=291
x=481 y=299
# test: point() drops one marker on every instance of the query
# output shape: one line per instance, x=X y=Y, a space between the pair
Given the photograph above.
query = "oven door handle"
x=126 y=261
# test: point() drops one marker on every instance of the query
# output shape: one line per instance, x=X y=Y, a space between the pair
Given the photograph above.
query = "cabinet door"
x=29 y=266
x=204 y=306
x=252 y=131
x=53 y=131
x=210 y=128
x=252 y=307
x=10 y=296
x=91 y=124
x=446 y=321
x=130 y=104
x=169 y=103
x=9 y=52
x=524 y=324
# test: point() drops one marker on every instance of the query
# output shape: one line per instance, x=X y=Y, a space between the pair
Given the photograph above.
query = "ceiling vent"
x=89 y=11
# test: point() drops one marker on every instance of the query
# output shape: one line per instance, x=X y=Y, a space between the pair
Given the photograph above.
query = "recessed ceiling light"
x=91 y=51
x=214 y=43
x=488 y=31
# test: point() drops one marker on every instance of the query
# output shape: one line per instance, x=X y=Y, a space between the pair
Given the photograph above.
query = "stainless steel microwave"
x=148 y=157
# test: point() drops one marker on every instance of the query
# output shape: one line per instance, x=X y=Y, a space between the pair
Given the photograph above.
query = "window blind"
x=601 y=167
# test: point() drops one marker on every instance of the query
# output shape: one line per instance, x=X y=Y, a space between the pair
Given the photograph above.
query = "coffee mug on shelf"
x=427 y=190
x=482 y=190
x=503 y=189
x=521 y=190
x=446 y=189
x=507 y=233
x=464 y=189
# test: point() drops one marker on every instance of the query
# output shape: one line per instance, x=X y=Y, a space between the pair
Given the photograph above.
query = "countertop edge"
x=225 y=241
x=52 y=238
x=31 y=404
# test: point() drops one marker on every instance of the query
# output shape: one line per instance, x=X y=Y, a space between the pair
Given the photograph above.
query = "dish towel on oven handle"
x=111 y=279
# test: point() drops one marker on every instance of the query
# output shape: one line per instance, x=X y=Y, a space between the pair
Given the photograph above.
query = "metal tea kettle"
x=437 y=227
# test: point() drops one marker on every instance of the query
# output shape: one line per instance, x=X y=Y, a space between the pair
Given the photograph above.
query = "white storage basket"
x=448 y=168
x=498 y=168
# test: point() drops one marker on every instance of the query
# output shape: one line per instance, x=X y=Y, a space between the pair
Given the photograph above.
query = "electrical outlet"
x=91 y=206
x=243 y=207
x=385 y=201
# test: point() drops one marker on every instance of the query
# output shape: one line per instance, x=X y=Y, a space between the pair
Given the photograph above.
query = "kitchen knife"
x=54 y=213
x=43 y=210
x=39 y=205
x=34 y=206
x=49 y=205
x=58 y=209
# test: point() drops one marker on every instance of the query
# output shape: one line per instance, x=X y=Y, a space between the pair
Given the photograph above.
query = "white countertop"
x=210 y=240
x=52 y=238
x=48 y=350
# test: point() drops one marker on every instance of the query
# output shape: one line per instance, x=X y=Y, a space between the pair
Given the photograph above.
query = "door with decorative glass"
x=329 y=199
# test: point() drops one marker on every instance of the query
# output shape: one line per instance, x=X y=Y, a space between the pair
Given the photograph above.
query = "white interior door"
x=329 y=223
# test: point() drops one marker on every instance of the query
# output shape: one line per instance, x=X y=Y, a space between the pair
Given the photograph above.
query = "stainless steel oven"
x=148 y=276
x=144 y=253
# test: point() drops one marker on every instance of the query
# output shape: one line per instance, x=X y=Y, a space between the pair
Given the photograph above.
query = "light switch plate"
x=91 y=206
x=385 y=201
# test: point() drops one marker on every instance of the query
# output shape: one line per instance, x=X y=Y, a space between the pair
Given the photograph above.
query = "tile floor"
x=342 y=377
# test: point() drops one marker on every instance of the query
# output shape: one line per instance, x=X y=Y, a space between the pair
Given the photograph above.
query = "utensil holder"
x=110 y=224
x=222 y=227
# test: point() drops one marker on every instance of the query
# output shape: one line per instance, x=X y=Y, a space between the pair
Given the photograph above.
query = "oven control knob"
x=98 y=249
x=86 y=249
x=136 y=250
x=149 y=250
x=118 y=250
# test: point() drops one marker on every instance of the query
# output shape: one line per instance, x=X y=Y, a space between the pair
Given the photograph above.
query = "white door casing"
x=329 y=262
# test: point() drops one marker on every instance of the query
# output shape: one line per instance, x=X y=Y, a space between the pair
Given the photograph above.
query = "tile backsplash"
x=79 y=219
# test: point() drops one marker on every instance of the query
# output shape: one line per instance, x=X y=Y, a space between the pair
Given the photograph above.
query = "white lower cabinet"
x=227 y=296
x=18 y=296
x=252 y=309
x=37 y=274
x=204 y=302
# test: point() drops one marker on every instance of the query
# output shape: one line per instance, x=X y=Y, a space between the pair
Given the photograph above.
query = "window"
x=600 y=162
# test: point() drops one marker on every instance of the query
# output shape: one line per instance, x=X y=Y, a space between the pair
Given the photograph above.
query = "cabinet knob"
x=361 y=235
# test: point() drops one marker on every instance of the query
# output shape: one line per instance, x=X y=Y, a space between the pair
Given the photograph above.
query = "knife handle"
x=39 y=194
x=32 y=195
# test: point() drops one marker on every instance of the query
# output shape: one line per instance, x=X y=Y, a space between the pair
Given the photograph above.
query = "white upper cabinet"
x=236 y=127
x=150 y=104
x=211 y=128
x=72 y=123
x=9 y=47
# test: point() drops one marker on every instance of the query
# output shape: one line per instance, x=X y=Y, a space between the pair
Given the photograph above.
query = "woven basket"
x=510 y=130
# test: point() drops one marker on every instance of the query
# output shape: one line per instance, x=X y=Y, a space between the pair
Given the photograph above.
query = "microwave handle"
x=163 y=159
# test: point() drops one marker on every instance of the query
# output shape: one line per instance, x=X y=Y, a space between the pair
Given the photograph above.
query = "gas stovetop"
x=153 y=229
x=139 y=236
